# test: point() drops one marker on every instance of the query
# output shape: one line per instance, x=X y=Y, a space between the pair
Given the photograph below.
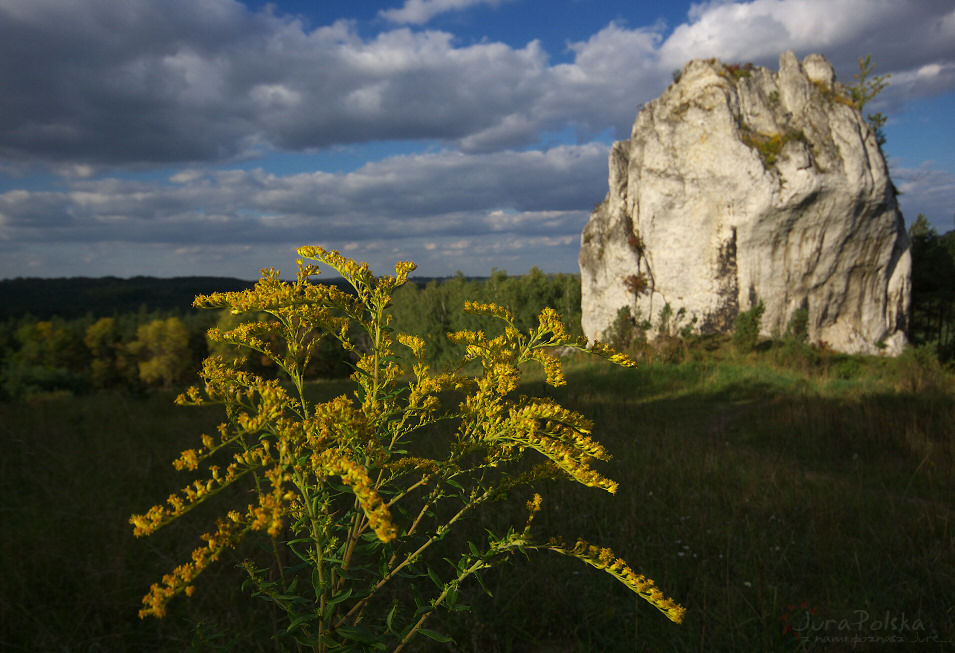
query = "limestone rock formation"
x=739 y=184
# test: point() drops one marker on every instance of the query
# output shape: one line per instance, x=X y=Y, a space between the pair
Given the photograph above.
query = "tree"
x=933 y=287
x=162 y=347
x=865 y=89
x=433 y=310
x=48 y=358
x=108 y=363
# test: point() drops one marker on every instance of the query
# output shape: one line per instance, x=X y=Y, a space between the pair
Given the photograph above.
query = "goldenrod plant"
x=342 y=487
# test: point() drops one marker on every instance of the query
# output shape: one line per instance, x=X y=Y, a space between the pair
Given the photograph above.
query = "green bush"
x=628 y=332
x=798 y=326
x=746 y=328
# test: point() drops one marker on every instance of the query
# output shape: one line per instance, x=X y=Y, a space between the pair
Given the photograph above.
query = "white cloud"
x=902 y=34
x=419 y=12
x=437 y=198
x=925 y=81
x=927 y=190
x=763 y=28
x=184 y=86
x=156 y=83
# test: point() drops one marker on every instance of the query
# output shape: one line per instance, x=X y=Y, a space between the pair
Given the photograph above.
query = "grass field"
x=814 y=496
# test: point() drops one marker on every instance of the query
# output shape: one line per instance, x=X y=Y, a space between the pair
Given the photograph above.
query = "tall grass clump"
x=356 y=495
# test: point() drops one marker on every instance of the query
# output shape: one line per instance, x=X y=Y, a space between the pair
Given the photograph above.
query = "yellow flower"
x=604 y=559
x=294 y=451
x=355 y=475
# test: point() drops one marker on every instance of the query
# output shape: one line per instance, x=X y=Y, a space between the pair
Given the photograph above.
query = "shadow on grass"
x=745 y=493
x=760 y=499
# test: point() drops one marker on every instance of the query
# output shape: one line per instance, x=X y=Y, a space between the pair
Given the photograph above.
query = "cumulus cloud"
x=440 y=197
x=144 y=82
x=928 y=190
x=419 y=12
x=100 y=93
x=904 y=34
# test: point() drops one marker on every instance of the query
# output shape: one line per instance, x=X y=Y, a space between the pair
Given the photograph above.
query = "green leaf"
x=390 y=619
x=480 y=580
x=330 y=608
x=302 y=618
x=436 y=636
x=424 y=609
x=435 y=578
x=358 y=634
x=335 y=600
x=416 y=594
x=305 y=564
x=348 y=574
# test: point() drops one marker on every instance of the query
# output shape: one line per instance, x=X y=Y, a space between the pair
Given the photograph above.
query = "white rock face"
x=739 y=185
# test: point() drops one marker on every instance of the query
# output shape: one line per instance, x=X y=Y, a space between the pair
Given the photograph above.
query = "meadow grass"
x=760 y=492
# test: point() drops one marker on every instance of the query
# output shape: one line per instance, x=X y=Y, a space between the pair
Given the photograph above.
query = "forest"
x=101 y=339
x=77 y=336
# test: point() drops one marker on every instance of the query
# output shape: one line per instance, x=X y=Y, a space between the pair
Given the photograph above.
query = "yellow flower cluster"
x=353 y=474
x=422 y=398
x=553 y=371
x=561 y=438
x=197 y=492
x=479 y=347
x=605 y=351
x=267 y=516
x=489 y=309
x=355 y=273
x=414 y=463
x=331 y=421
x=290 y=447
x=386 y=285
x=533 y=507
x=228 y=533
x=414 y=343
x=604 y=559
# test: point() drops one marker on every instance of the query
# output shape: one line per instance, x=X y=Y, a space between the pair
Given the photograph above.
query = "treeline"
x=152 y=348
x=933 y=288
x=432 y=310
x=82 y=335
x=77 y=297
x=134 y=350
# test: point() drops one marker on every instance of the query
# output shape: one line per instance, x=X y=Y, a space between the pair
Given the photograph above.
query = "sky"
x=213 y=137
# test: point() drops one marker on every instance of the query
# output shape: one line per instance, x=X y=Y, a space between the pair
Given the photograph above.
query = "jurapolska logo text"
x=861 y=627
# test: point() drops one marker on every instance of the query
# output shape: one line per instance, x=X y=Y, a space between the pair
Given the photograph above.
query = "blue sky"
x=213 y=137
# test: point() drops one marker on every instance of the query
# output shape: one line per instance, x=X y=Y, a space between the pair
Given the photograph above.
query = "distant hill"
x=76 y=296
